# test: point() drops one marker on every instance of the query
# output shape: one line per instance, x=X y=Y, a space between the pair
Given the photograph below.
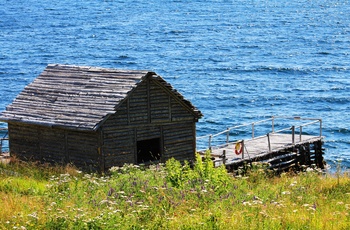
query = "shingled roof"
x=79 y=97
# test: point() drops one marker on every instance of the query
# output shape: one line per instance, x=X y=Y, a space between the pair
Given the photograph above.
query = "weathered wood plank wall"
x=150 y=112
x=54 y=145
x=179 y=141
x=118 y=147
x=24 y=141
x=82 y=148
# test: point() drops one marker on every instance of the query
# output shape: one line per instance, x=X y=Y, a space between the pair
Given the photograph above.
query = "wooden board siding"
x=148 y=132
x=118 y=146
x=179 y=113
x=149 y=104
x=160 y=108
x=37 y=143
x=24 y=141
x=138 y=105
x=52 y=145
x=120 y=117
x=82 y=148
x=149 y=112
x=179 y=141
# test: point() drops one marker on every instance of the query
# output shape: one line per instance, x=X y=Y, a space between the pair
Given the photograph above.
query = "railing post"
x=268 y=141
x=320 y=127
x=242 y=149
x=228 y=136
x=253 y=130
x=293 y=134
x=224 y=157
x=210 y=137
x=301 y=131
x=273 y=124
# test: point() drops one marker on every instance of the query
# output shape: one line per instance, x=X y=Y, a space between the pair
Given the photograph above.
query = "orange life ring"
x=238 y=148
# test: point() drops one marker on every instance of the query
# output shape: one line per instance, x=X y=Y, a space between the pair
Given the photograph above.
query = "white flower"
x=309 y=170
x=103 y=202
x=285 y=193
x=293 y=184
x=246 y=203
x=33 y=215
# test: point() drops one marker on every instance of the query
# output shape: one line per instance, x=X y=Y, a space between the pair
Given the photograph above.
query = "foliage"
x=171 y=196
x=203 y=174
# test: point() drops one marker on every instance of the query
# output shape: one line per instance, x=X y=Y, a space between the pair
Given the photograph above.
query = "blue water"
x=238 y=61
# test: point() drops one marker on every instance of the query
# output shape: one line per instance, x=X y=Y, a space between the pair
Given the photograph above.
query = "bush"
x=203 y=174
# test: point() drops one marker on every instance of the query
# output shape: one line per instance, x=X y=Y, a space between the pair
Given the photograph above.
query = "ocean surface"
x=237 y=61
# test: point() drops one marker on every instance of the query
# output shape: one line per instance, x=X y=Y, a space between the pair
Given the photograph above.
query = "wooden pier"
x=282 y=150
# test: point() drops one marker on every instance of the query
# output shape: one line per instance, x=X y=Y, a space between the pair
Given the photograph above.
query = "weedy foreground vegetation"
x=171 y=196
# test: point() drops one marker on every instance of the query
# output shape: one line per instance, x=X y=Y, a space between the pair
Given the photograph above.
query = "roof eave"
x=46 y=124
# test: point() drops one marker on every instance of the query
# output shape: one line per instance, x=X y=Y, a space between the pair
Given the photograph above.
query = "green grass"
x=171 y=196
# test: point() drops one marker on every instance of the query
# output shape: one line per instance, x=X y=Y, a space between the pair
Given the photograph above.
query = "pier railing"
x=297 y=131
x=4 y=140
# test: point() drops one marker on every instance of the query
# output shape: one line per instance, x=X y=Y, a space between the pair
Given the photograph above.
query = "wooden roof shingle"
x=78 y=97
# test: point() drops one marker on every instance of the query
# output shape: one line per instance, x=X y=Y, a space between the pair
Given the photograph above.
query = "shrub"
x=203 y=174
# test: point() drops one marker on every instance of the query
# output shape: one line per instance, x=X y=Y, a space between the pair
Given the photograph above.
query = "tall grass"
x=171 y=196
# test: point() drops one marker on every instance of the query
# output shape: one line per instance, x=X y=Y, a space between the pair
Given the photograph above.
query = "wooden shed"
x=98 y=118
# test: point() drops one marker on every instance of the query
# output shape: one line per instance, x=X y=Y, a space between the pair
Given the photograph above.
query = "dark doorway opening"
x=148 y=150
